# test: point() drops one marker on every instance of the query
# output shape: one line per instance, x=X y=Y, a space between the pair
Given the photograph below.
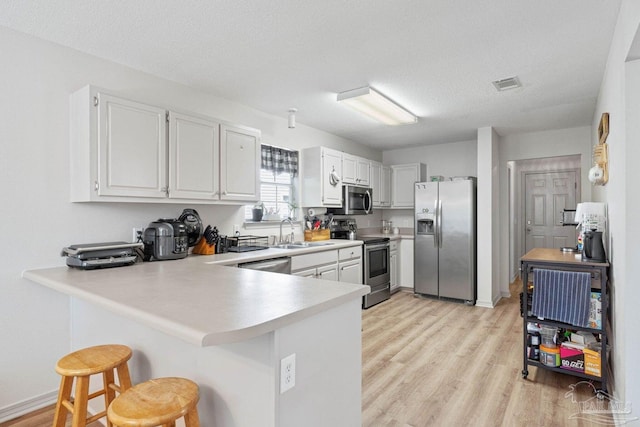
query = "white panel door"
x=546 y=196
x=376 y=174
x=349 y=169
x=239 y=163
x=329 y=272
x=362 y=172
x=402 y=179
x=350 y=272
x=385 y=187
x=132 y=148
x=194 y=157
x=331 y=190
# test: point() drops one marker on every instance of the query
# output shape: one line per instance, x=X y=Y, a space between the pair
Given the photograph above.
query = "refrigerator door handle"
x=435 y=226
x=439 y=223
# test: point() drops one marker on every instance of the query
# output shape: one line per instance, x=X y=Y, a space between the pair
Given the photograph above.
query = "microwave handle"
x=367 y=201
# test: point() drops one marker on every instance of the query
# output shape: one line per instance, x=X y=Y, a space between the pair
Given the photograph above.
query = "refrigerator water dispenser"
x=425 y=226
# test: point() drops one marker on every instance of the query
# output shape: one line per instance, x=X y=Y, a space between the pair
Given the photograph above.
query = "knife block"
x=203 y=248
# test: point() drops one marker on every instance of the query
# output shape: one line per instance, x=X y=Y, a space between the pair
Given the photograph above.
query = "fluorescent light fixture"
x=377 y=106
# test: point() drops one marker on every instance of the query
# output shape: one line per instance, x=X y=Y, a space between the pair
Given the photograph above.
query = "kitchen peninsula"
x=227 y=329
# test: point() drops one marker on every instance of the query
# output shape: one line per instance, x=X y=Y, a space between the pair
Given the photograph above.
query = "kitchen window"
x=278 y=172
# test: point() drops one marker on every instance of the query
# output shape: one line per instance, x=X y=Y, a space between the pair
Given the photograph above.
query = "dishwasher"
x=275 y=265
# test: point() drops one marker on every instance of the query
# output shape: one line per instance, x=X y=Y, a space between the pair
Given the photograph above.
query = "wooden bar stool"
x=81 y=365
x=157 y=402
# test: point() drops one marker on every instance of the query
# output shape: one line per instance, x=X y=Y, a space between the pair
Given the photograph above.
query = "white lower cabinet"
x=319 y=265
x=406 y=263
x=393 y=265
x=350 y=265
x=328 y=272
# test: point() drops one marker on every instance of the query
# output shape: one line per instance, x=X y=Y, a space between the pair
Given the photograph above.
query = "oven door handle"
x=376 y=246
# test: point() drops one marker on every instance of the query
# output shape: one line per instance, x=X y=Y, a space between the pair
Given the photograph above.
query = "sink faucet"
x=290 y=221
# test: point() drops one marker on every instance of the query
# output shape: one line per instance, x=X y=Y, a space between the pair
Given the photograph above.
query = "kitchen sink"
x=298 y=245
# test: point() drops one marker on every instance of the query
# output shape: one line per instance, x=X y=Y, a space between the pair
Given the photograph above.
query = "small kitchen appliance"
x=90 y=256
x=355 y=201
x=593 y=247
x=165 y=239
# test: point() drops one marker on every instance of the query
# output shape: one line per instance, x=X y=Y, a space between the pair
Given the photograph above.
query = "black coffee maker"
x=593 y=248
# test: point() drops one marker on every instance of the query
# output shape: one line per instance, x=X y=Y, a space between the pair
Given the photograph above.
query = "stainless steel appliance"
x=101 y=255
x=355 y=201
x=593 y=247
x=275 y=265
x=376 y=262
x=377 y=275
x=445 y=239
x=165 y=239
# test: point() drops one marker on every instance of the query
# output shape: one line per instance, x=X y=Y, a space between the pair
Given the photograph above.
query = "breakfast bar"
x=228 y=330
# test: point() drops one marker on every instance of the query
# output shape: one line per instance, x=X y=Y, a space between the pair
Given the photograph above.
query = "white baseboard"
x=29 y=405
x=484 y=304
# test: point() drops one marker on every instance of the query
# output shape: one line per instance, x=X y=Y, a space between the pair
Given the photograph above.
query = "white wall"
x=36 y=79
x=450 y=159
x=488 y=219
x=619 y=97
x=537 y=145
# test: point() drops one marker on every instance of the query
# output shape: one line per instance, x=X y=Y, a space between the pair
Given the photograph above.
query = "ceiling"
x=437 y=58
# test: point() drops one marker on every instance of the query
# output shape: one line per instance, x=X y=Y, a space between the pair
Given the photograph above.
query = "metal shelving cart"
x=555 y=259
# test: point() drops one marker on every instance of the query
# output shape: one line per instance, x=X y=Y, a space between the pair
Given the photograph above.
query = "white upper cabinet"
x=380 y=183
x=194 y=157
x=349 y=169
x=240 y=155
x=402 y=179
x=128 y=151
x=355 y=170
x=375 y=169
x=363 y=175
x=321 y=177
x=385 y=187
x=131 y=148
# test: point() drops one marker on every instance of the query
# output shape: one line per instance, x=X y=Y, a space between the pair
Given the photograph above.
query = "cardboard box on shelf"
x=592 y=362
x=571 y=358
x=595 y=311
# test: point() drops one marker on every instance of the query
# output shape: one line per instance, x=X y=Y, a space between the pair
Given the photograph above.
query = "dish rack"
x=247 y=243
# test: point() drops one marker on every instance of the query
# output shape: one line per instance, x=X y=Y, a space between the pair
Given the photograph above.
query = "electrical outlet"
x=136 y=233
x=287 y=373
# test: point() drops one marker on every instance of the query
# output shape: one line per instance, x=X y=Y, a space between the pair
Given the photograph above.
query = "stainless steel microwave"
x=355 y=201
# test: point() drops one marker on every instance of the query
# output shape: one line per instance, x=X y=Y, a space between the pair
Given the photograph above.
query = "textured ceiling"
x=437 y=58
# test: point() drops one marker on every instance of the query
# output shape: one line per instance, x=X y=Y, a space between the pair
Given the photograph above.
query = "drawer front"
x=393 y=245
x=314 y=259
x=353 y=252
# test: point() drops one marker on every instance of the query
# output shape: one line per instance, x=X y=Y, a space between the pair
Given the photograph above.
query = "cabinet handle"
x=96 y=185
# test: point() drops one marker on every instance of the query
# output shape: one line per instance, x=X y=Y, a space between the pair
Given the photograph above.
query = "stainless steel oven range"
x=375 y=267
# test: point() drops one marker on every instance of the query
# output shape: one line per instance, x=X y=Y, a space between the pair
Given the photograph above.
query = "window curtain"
x=279 y=160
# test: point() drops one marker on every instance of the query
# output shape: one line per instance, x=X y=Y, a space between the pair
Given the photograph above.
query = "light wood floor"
x=435 y=363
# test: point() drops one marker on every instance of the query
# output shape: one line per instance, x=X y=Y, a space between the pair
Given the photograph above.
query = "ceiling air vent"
x=506 y=84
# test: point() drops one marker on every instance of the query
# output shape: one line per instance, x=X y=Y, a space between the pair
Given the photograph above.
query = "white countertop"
x=203 y=303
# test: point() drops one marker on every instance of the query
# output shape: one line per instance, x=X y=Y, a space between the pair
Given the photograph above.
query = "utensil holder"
x=313 y=235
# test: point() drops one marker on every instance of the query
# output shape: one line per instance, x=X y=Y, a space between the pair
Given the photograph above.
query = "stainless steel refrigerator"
x=445 y=239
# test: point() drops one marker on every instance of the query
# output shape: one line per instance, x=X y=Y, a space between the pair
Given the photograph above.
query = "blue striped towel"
x=564 y=296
